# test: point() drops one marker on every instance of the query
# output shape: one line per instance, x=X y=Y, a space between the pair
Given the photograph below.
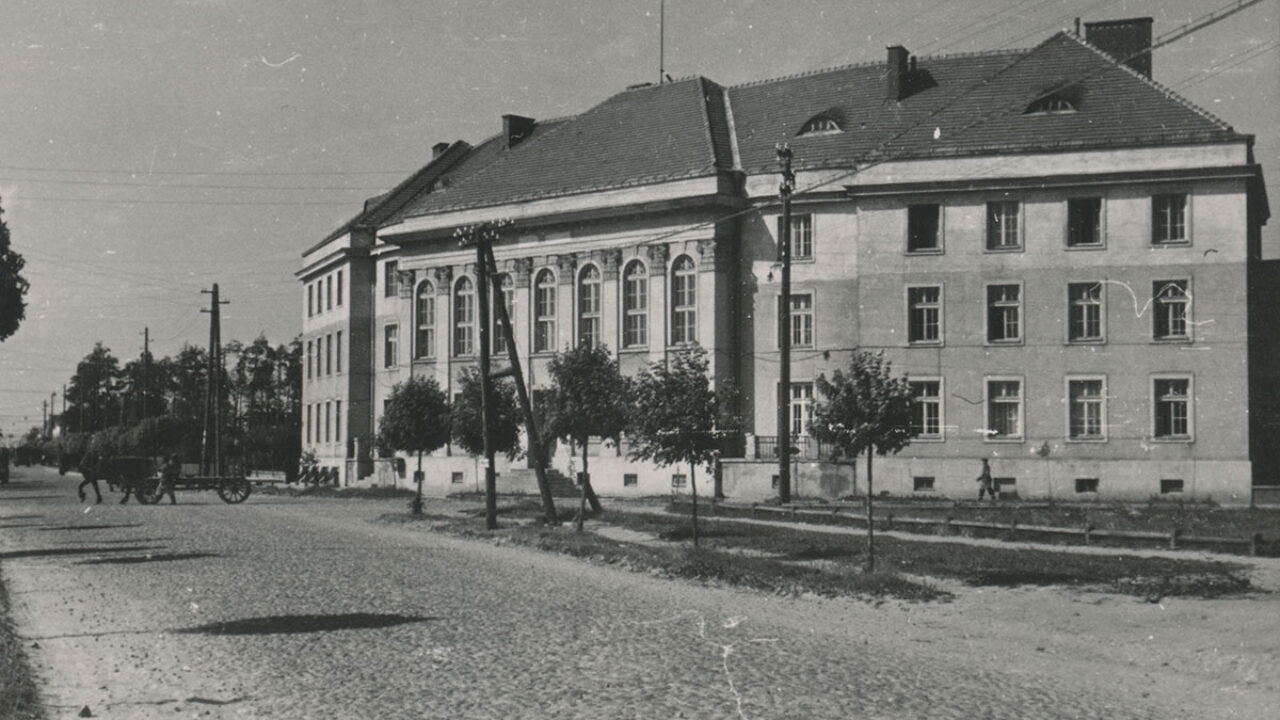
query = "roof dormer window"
x=824 y=123
x=1050 y=104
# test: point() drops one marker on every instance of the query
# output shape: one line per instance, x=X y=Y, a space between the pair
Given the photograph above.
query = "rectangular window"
x=801 y=236
x=390 y=345
x=922 y=483
x=1004 y=409
x=630 y=480
x=328 y=354
x=338 y=351
x=1086 y=485
x=391 y=279
x=337 y=420
x=1172 y=399
x=1084 y=222
x=1169 y=219
x=802 y=320
x=544 y=297
x=923 y=228
x=924 y=311
x=1170 y=486
x=328 y=293
x=1087 y=411
x=1004 y=313
x=926 y=414
x=1169 y=311
x=1084 y=312
x=310 y=357
x=307 y=422
x=1002 y=226
x=456 y=478
x=339 y=293
x=426 y=310
x=311 y=299
x=678 y=481
x=328 y=419
x=801 y=409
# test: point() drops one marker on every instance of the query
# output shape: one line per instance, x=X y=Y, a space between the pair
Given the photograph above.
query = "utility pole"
x=785 y=188
x=44 y=417
x=486 y=382
x=211 y=452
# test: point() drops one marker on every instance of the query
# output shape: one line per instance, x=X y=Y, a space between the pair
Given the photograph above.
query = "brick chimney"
x=516 y=128
x=438 y=149
x=896 y=79
x=1124 y=40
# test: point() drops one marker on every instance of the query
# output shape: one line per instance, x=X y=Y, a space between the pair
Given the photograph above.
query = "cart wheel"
x=233 y=490
x=145 y=490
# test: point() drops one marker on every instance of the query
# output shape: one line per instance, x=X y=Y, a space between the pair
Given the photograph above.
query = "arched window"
x=684 y=301
x=589 y=306
x=424 y=345
x=635 y=305
x=464 y=317
x=544 y=304
x=506 y=295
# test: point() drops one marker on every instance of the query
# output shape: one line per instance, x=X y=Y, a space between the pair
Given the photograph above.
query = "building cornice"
x=1065 y=181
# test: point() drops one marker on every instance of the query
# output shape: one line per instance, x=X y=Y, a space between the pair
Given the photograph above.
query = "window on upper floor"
x=328 y=293
x=338 y=298
x=544 y=303
x=390 y=278
x=1169 y=219
x=684 y=301
x=926 y=411
x=506 y=295
x=1050 y=104
x=337 y=351
x=1171 y=408
x=802 y=312
x=1004 y=313
x=924 y=314
x=824 y=123
x=1170 y=311
x=924 y=228
x=1084 y=222
x=1084 y=312
x=1003 y=227
x=425 y=318
x=311 y=351
x=311 y=299
x=464 y=317
x=390 y=345
x=328 y=354
x=589 y=306
x=635 y=305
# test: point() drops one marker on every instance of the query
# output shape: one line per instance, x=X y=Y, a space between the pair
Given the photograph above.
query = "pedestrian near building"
x=169 y=477
x=986 y=486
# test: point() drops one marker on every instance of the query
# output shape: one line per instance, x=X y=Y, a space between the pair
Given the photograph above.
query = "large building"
x=1062 y=256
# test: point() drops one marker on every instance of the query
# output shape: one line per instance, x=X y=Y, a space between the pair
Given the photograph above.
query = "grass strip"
x=19 y=695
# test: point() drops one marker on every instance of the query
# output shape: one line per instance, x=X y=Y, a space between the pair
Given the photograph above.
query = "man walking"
x=986 y=486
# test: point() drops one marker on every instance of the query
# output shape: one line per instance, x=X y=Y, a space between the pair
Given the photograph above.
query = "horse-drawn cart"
x=140 y=475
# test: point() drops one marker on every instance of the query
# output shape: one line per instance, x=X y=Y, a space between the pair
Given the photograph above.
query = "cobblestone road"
x=303 y=608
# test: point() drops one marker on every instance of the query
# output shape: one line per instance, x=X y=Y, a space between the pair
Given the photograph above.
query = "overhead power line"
x=202 y=173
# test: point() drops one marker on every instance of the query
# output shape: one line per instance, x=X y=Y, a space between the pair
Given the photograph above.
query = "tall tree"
x=590 y=400
x=677 y=417
x=868 y=410
x=416 y=420
x=94 y=390
x=13 y=308
x=466 y=416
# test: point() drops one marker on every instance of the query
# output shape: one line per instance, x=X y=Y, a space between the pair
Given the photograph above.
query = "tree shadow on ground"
x=73 y=528
x=55 y=552
x=1012 y=578
x=289 y=624
x=28 y=516
x=165 y=557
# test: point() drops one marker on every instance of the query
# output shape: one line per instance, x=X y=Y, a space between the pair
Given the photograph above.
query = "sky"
x=152 y=148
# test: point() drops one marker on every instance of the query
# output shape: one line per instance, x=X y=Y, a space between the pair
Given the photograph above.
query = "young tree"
x=466 y=416
x=867 y=410
x=676 y=417
x=13 y=309
x=590 y=399
x=416 y=420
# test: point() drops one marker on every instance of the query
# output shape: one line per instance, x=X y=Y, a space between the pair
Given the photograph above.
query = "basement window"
x=677 y=482
x=456 y=478
x=1086 y=485
x=1170 y=486
x=630 y=480
x=922 y=483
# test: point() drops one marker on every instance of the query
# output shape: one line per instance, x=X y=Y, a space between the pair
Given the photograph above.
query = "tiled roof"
x=961 y=104
x=636 y=137
x=975 y=105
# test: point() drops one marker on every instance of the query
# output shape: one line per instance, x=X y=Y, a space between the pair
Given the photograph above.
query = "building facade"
x=1061 y=256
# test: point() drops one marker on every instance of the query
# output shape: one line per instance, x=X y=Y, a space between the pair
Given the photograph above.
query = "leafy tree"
x=93 y=391
x=13 y=309
x=864 y=411
x=590 y=399
x=676 y=417
x=416 y=420
x=467 y=415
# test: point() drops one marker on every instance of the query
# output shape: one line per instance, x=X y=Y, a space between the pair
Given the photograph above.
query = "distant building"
x=1063 y=256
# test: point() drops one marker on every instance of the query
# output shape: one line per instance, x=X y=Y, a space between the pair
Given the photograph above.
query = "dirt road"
x=307 y=608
